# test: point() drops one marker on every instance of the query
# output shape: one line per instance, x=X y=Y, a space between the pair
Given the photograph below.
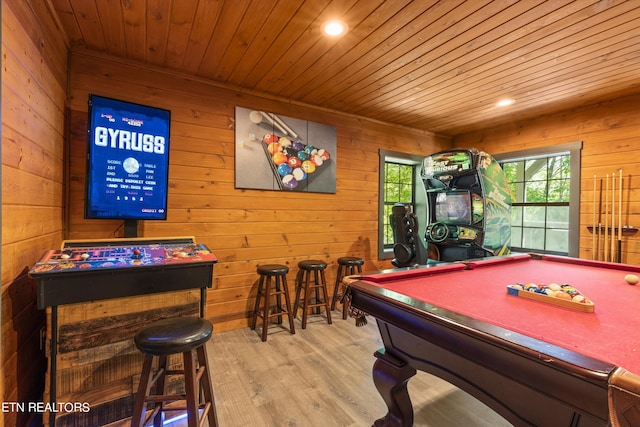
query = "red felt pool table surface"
x=479 y=290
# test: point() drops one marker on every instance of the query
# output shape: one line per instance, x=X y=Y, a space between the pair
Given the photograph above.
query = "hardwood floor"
x=321 y=376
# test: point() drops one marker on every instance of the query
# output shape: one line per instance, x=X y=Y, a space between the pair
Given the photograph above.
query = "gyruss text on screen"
x=128 y=160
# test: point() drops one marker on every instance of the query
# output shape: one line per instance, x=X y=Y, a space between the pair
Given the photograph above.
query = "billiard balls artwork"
x=284 y=169
x=279 y=158
x=270 y=137
x=294 y=160
x=631 y=279
x=289 y=182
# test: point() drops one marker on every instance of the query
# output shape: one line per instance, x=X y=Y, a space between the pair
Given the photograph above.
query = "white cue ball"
x=631 y=279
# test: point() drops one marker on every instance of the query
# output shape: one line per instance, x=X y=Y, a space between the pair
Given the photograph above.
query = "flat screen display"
x=127 y=160
x=453 y=207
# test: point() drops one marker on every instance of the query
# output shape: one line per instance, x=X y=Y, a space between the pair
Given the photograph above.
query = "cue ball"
x=631 y=279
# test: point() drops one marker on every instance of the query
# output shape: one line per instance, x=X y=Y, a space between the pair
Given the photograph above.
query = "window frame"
x=574 y=151
x=419 y=197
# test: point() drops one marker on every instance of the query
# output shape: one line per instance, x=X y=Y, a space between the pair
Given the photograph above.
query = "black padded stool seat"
x=171 y=336
x=275 y=274
x=158 y=340
x=347 y=266
x=308 y=269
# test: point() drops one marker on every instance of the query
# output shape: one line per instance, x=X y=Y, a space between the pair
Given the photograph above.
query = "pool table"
x=534 y=363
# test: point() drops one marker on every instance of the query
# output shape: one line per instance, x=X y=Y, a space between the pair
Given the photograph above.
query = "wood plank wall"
x=610 y=132
x=34 y=86
x=244 y=228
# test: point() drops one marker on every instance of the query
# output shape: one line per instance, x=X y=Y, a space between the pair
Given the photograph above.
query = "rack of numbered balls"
x=293 y=160
x=563 y=295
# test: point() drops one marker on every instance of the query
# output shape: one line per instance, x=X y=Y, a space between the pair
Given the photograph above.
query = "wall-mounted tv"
x=127 y=160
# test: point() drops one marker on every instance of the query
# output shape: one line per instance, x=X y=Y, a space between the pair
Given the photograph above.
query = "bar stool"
x=306 y=284
x=265 y=290
x=158 y=340
x=346 y=267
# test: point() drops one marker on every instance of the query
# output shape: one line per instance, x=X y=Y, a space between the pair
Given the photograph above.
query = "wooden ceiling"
x=427 y=64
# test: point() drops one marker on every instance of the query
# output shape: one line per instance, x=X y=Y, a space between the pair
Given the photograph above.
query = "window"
x=399 y=181
x=545 y=185
x=398 y=188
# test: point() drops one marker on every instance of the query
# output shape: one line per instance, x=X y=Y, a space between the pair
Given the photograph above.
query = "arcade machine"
x=468 y=213
x=469 y=205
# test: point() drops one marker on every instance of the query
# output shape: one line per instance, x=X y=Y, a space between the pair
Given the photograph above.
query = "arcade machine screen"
x=127 y=161
x=453 y=208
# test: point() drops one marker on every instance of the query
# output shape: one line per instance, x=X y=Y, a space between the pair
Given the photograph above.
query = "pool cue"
x=613 y=214
x=620 y=220
x=599 y=220
x=606 y=219
x=593 y=234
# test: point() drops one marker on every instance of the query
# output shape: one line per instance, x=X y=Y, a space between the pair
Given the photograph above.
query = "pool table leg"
x=391 y=375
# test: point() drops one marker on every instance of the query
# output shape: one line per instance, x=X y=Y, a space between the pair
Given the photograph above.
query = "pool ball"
x=284 y=169
x=299 y=174
x=285 y=142
x=317 y=160
x=297 y=145
x=269 y=138
x=303 y=155
x=294 y=162
x=631 y=279
x=309 y=148
x=323 y=153
x=273 y=148
x=289 y=182
x=308 y=166
x=279 y=158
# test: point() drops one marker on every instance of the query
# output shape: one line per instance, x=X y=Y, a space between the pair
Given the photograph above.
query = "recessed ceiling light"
x=334 y=28
x=505 y=102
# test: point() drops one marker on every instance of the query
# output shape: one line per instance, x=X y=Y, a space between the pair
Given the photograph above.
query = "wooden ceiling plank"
x=387 y=37
x=448 y=83
x=88 y=21
x=231 y=15
x=585 y=86
x=180 y=24
x=112 y=24
x=449 y=62
x=570 y=51
x=574 y=66
x=243 y=37
x=454 y=28
x=306 y=49
x=204 y=22
x=279 y=50
x=134 y=23
x=67 y=18
x=329 y=63
x=158 y=22
x=273 y=23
